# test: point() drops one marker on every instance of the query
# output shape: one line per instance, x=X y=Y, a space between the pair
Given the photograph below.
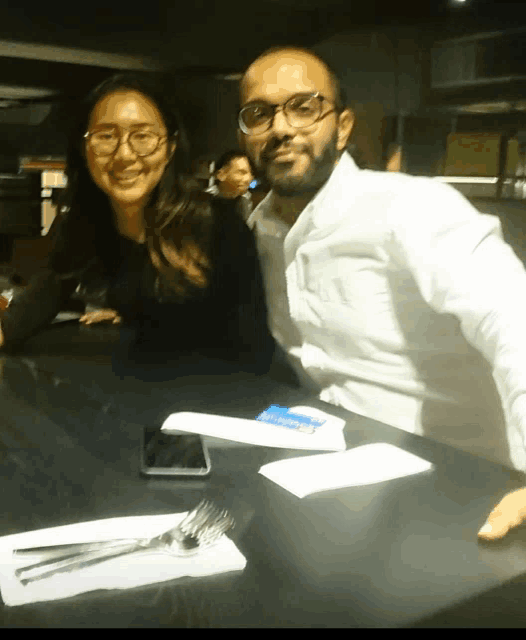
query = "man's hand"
x=101 y=315
x=509 y=513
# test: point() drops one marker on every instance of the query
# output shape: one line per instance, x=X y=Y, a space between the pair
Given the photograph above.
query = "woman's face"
x=125 y=177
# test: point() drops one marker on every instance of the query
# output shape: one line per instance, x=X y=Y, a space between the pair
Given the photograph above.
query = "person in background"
x=391 y=295
x=180 y=276
x=232 y=177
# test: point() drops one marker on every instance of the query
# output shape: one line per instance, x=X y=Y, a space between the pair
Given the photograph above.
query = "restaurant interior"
x=439 y=90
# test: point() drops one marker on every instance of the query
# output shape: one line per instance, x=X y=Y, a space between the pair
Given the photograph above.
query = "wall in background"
x=208 y=108
x=17 y=140
x=425 y=145
x=382 y=75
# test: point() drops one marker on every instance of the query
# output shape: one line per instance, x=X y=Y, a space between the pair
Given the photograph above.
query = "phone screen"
x=166 y=454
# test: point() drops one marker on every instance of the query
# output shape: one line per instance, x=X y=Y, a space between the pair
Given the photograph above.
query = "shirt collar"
x=265 y=220
x=345 y=168
x=323 y=203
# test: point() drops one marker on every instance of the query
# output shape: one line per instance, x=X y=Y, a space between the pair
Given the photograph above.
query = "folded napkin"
x=134 y=570
x=368 y=464
x=329 y=436
x=66 y=316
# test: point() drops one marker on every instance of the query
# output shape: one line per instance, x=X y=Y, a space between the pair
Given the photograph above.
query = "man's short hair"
x=339 y=91
x=227 y=158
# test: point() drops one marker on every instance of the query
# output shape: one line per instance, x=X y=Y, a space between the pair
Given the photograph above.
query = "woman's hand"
x=101 y=315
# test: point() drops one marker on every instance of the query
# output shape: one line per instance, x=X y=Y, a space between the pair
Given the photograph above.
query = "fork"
x=202 y=514
x=200 y=529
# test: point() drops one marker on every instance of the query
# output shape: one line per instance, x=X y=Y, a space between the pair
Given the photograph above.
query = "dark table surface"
x=399 y=553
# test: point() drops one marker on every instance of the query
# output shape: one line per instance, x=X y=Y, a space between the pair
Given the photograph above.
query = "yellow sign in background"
x=477 y=155
x=472 y=155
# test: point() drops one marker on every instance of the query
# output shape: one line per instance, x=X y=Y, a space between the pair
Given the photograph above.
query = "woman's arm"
x=33 y=308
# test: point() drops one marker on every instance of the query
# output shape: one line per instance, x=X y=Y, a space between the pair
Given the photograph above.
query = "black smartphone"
x=164 y=454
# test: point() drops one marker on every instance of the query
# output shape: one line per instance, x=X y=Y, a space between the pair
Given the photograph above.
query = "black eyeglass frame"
x=88 y=134
x=276 y=107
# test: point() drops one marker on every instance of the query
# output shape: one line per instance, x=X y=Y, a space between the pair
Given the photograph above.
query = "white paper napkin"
x=65 y=316
x=327 y=437
x=368 y=464
x=129 y=571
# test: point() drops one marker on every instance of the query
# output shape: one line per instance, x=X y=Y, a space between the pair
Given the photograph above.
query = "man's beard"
x=311 y=181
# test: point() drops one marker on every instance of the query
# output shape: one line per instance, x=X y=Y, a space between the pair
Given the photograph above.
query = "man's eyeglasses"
x=106 y=141
x=300 y=111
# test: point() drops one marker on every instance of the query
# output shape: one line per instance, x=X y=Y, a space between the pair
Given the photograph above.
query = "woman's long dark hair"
x=174 y=212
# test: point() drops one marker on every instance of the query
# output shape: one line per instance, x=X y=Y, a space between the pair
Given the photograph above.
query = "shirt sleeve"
x=34 y=308
x=462 y=266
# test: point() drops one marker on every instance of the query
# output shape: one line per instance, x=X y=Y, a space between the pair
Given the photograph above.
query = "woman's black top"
x=225 y=320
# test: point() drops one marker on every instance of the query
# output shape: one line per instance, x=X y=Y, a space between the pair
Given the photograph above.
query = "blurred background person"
x=232 y=177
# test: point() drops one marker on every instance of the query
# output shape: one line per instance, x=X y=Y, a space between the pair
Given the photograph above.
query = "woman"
x=175 y=267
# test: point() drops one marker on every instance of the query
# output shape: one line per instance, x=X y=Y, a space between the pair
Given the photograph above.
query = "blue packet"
x=284 y=417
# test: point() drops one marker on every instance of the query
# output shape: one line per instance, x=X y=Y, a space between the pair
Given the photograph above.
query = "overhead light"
x=71 y=55
x=488 y=107
x=205 y=71
x=24 y=93
x=228 y=76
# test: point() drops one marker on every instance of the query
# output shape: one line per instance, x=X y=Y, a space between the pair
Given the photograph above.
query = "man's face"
x=295 y=161
x=236 y=177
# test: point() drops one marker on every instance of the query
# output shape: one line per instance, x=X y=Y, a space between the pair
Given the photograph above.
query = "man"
x=233 y=175
x=389 y=293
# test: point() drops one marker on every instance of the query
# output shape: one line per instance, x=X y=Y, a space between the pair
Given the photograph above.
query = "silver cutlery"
x=200 y=529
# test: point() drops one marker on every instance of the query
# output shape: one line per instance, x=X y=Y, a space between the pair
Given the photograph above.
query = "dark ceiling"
x=204 y=35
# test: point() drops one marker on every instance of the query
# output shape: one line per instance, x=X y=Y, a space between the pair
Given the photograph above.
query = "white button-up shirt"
x=396 y=299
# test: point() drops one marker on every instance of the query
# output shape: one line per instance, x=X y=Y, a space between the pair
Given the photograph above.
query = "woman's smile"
x=125 y=178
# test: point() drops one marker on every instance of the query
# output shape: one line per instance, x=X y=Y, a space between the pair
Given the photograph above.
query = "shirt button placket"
x=293 y=292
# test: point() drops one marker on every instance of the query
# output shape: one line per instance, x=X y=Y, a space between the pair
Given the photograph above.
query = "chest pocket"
x=346 y=278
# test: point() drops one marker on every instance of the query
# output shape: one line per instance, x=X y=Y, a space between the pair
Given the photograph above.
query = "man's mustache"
x=275 y=145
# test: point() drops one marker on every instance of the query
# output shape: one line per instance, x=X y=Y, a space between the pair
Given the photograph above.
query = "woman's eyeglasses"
x=300 y=111
x=106 y=141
